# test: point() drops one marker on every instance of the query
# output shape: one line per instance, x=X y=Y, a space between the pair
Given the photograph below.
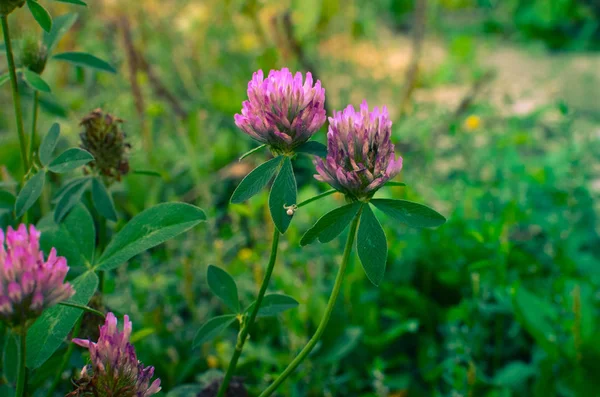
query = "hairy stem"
x=317 y=197
x=83 y=307
x=328 y=310
x=34 y=120
x=247 y=325
x=12 y=71
x=22 y=370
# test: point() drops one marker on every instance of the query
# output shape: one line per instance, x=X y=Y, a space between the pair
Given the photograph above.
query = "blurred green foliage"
x=559 y=24
x=501 y=301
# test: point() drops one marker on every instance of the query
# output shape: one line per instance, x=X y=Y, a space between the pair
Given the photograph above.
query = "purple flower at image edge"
x=114 y=363
x=281 y=111
x=28 y=283
x=361 y=155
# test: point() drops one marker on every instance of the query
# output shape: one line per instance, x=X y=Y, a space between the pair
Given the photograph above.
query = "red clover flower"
x=360 y=155
x=114 y=369
x=281 y=112
x=28 y=283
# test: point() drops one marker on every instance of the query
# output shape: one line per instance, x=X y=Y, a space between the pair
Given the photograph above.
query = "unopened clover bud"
x=8 y=6
x=34 y=55
x=105 y=140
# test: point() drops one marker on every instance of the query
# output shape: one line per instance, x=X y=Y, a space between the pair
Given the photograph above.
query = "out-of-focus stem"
x=34 y=115
x=15 y=93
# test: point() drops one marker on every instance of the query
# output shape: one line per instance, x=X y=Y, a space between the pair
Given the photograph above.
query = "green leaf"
x=4 y=78
x=61 y=25
x=30 y=193
x=69 y=160
x=539 y=318
x=75 y=238
x=35 y=81
x=257 y=179
x=69 y=199
x=80 y=225
x=51 y=329
x=49 y=144
x=148 y=229
x=413 y=214
x=64 y=188
x=283 y=194
x=76 y=2
x=85 y=60
x=252 y=151
x=185 y=391
x=392 y=333
x=274 y=304
x=212 y=328
x=312 y=147
x=371 y=245
x=40 y=14
x=223 y=285
x=340 y=348
x=103 y=201
x=514 y=375
x=51 y=105
x=330 y=225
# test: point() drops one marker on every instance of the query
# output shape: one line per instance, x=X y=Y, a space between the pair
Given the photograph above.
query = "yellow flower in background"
x=212 y=361
x=249 y=41
x=245 y=254
x=472 y=123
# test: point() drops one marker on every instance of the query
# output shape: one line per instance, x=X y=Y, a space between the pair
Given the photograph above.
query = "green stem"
x=252 y=151
x=247 y=325
x=83 y=307
x=15 y=92
x=328 y=310
x=317 y=197
x=22 y=370
x=2 y=334
x=34 y=120
x=65 y=360
x=102 y=242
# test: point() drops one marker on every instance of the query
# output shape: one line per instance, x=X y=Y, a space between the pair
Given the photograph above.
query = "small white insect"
x=291 y=209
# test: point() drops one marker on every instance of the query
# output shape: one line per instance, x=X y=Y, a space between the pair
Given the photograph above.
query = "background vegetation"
x=495 y=109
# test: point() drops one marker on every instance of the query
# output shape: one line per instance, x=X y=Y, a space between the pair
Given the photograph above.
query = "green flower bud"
x=8 y=6
x=105 y=140
x=34 y=54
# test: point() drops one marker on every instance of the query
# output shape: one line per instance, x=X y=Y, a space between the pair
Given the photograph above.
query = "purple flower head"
x=115 y=369
x=281 y=111
x=28 y=284
x=360 y=155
